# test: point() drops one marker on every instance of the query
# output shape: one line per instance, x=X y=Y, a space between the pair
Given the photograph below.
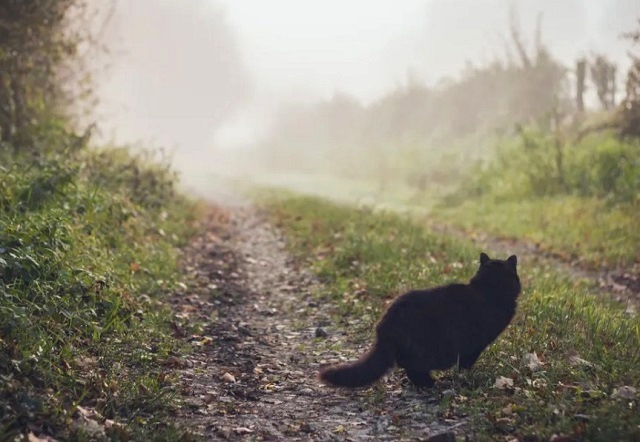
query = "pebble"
x=228 y=377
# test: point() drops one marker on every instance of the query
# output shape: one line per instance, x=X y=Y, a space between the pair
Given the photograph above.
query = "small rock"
x=321 y=333
x=306 y=391
x=228 y=377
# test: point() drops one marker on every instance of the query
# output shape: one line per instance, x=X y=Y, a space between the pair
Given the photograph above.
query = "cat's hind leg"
x=421 y=378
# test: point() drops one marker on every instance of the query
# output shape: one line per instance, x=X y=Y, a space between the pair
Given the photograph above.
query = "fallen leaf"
x=618 y=288
x=533 y=362
x=574 y=359
x=503 y=383
x=206 y=340
x=33 y=438
x=88 y=413
x=86 y=362
x=624 y=392
x=109 y=423
x=242 y=430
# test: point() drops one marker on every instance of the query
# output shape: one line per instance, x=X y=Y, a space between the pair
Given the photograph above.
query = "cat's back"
x=445 y=294
x=446 y=301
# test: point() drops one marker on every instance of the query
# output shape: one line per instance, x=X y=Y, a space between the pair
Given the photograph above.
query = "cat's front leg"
x=420 y=378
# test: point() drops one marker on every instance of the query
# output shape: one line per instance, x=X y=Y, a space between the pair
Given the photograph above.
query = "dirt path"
x=252 y=374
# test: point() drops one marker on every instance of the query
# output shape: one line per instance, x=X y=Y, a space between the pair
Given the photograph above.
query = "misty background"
x=288 y=85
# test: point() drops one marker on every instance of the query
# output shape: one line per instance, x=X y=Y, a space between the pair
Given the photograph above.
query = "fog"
x=201 y=77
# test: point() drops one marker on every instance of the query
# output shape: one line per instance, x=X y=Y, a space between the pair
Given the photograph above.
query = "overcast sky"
x=201 y=72
x=365 y=47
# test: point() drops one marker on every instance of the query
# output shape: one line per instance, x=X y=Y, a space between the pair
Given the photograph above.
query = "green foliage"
x=87 y=244
x=577 y=229
x=630 y=108
x=578 y=201
x=606 y=168
x=39 y=42
x=365 y=257
x=85 y=256
x=537 y=165
x=144 y=177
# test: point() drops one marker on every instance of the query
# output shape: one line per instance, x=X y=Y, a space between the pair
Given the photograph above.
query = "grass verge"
x=88 y=245
x=588 y=347
x=585 y=229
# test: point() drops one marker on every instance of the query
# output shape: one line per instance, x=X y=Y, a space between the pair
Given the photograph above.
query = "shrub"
x=599 y=166
x=84 y=258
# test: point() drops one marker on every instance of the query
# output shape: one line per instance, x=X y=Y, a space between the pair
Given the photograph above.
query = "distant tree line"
x=528 y=86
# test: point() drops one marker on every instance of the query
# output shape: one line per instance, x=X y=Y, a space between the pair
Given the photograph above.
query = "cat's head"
x=499 y=274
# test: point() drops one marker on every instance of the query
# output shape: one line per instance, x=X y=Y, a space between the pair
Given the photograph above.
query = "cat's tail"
x=365 y=371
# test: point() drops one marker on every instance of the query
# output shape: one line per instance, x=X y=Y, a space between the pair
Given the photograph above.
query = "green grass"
x=587 y=229
x=88 y=247
x=366 y=257
x=575 y=199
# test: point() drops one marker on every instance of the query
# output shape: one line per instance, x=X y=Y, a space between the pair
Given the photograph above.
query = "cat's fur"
x=437 y=328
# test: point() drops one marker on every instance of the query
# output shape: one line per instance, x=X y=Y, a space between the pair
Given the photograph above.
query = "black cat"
x=437 y=328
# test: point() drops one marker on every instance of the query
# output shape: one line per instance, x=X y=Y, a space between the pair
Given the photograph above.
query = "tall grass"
x=537 y=164
x=87 y=248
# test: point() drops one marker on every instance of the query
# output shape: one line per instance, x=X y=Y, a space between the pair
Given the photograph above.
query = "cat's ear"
x=484 y=259
x=513 y=261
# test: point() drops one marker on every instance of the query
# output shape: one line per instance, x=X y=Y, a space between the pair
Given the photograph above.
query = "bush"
x=606 y=168
x=535 y=165
x=84 y=257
